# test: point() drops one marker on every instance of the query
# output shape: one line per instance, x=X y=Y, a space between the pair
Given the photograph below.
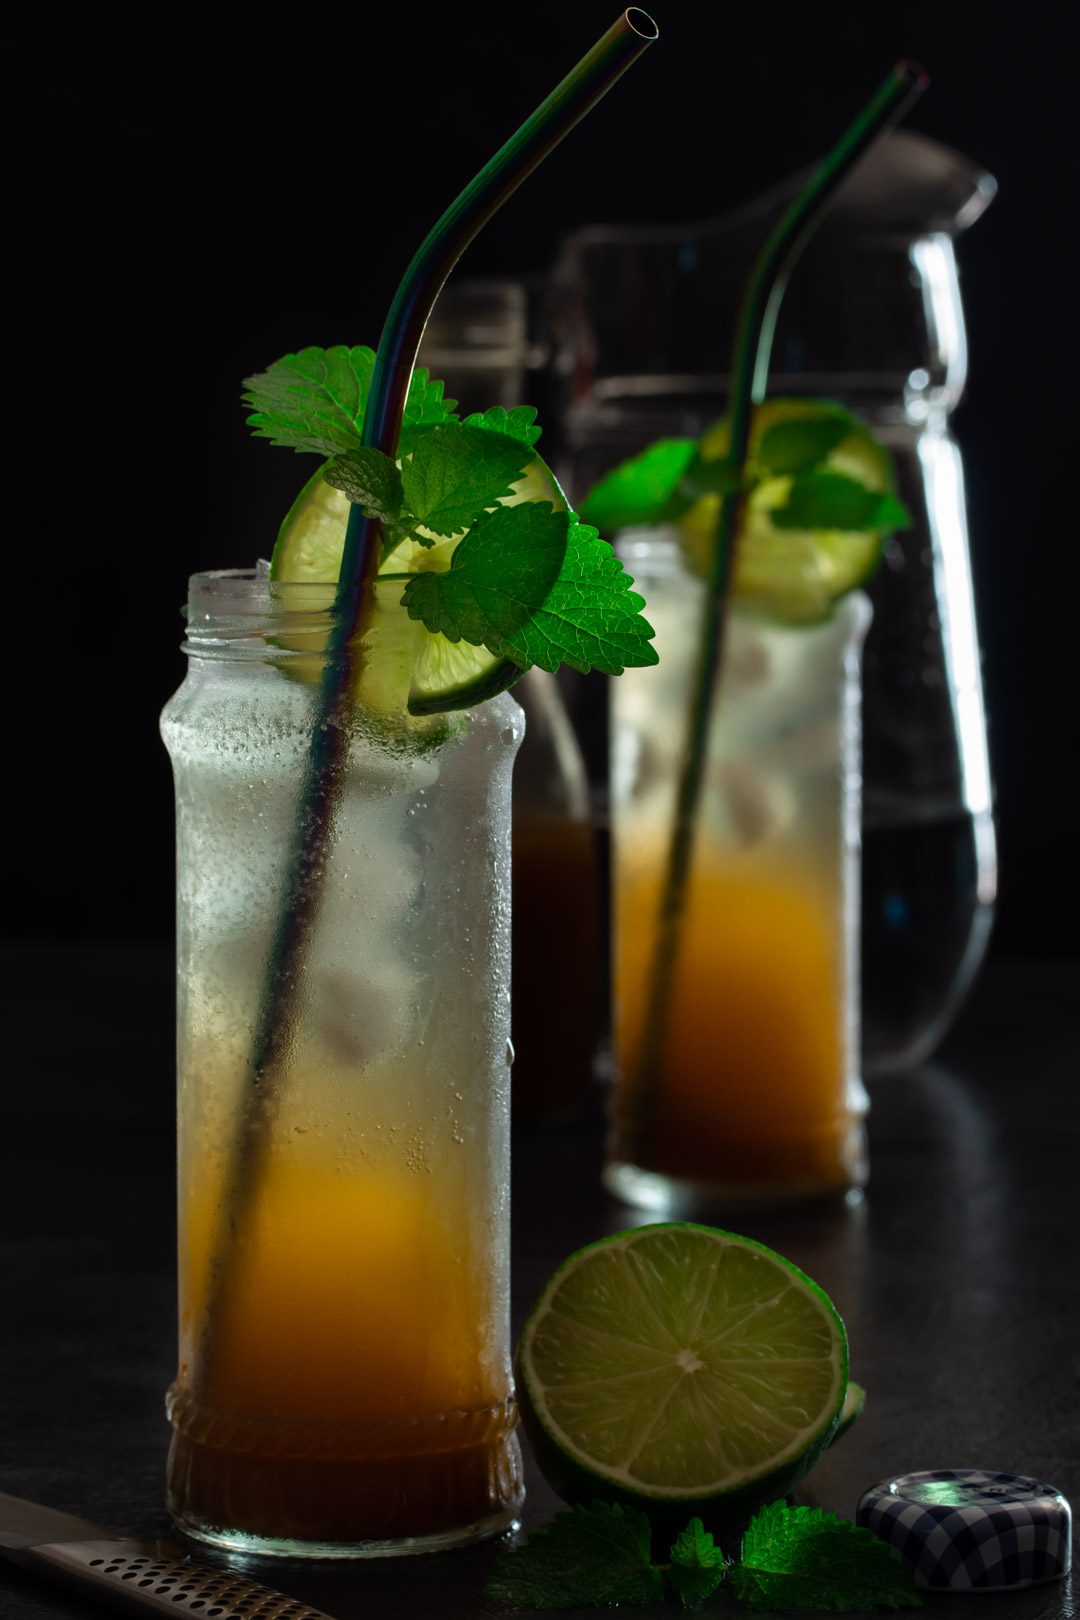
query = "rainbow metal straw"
x=567 y=104
x=749 y=373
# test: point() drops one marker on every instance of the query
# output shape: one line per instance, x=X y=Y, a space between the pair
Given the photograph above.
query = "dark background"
x=200 y=191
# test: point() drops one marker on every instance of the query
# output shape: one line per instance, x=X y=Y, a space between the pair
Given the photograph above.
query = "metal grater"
x=135 y=1577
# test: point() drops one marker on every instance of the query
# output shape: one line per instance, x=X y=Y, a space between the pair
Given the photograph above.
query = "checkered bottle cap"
x=972 y=1530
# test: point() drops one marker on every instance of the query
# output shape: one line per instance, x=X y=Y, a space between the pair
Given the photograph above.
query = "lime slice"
x=792 y=575
x=681 y=1369
x=407 y=666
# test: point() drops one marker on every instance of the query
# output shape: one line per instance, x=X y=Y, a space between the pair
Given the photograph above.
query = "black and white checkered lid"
x=970 y=1529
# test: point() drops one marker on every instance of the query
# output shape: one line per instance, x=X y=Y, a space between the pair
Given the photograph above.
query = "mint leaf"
x=798 y=445
x=536 y=586
x=499 y=576
x=716 y=477
x=315 y=400
x=697 y=1564
x=424 y=401
x=590 y=618
x=640 y=490
x=831 y=500
x=370 y=480
x=802 y=1558
x=592 y=1556
x=516 y=424
x=451 y=473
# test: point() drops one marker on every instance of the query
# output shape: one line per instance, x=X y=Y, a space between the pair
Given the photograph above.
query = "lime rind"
x=621 y=1365
x=851 y=1411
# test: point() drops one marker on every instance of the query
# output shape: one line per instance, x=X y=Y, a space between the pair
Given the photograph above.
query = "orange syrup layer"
x=353 y=1368
x=752 y=1074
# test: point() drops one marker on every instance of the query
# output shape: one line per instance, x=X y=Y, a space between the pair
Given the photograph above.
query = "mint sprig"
x=790 y=1560
x=528 y=582
x=659 y=485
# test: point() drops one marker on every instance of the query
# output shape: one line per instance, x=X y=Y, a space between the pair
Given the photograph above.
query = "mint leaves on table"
x=664 y=481
x=588 y=1557
x=527 y=581
x=790 y=1560
x=697 y=1565
x=802 y=1558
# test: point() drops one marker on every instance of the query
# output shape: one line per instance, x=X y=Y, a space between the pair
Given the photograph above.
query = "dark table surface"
x=956 y=1275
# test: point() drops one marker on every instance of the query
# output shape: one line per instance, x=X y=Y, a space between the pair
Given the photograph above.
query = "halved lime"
x=793 y=575
x=407 y=666
x=682 y=1369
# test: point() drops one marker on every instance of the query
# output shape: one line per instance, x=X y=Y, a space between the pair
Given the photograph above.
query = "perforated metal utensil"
x=136 y=1577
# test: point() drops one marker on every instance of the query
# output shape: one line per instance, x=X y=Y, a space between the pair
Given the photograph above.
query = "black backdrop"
x=198 y=190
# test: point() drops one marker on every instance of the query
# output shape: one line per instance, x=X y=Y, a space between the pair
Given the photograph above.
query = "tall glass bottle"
x=344 y=1383
x=872 y=318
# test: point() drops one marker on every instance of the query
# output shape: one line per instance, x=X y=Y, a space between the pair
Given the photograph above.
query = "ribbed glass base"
x=323 y=1493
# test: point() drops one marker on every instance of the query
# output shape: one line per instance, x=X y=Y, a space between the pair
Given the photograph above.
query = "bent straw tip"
x=640 y=23
x=912 y=74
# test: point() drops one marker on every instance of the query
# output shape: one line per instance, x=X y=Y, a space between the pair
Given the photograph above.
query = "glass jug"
x=643 y=321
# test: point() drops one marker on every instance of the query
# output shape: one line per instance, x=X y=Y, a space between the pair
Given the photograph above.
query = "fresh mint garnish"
x=640 y=491
x=526 y=581
x=661 y=483
x=500 y=573
x=714 y=477
x=801 y=443
x=802 y=1558
x=697 y=1565
x=589 y=1557
x=831 y=500
x=370 y=480
x=519 y=423
x=591 y=618
x=314 y=401
x=453 y=472
x=791 y=1560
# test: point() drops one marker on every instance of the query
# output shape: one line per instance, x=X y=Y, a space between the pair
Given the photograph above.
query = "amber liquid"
x=751 y=1088
x=555 y=966
x=345 y=1394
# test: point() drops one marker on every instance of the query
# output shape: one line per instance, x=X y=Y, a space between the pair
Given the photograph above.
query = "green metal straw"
x=749 y=374
x=324 y=770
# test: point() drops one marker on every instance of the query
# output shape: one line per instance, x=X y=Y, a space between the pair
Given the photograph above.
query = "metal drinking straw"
x=749 y=374
x=320 y=790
